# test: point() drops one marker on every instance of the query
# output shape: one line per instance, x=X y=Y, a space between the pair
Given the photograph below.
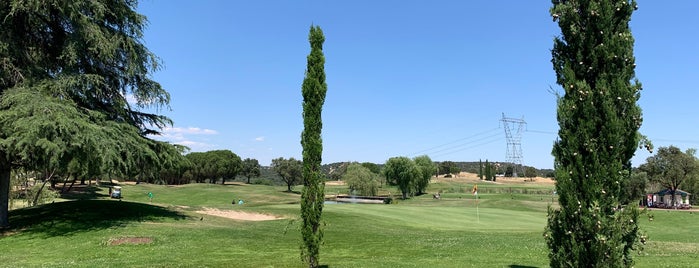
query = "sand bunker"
x=335 y=183
x=238 y=215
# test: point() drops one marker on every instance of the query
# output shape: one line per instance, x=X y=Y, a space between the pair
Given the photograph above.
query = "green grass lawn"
x=505 y=230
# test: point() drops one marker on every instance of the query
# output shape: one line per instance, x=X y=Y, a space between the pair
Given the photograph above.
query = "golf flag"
x=475 y=194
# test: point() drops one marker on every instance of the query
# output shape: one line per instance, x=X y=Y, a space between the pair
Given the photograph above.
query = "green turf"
x=504 y=230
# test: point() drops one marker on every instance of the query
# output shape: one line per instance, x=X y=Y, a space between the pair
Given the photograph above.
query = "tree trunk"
x=53 y=181
x=71 y=185
x=5 y=171
x=65 y=182
x=672 y=197
x=38 y=193
x=312 y=261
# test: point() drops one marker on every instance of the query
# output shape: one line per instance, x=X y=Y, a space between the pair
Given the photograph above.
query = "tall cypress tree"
x=488 y=170
x=480 y=169
x=312 y=197
x=598 y=120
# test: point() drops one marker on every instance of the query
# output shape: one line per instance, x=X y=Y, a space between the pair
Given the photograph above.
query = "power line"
x=455 y=141
x=492 y=140
x=670 y=140
x=514 y=154
x=651 y=139
x=541 y=132
x=497 y=136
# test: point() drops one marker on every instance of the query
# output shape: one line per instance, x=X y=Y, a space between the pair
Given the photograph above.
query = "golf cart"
x=116 y=192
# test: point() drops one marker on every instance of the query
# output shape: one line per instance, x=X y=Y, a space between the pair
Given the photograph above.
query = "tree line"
x=69 y=68
x=410 y=176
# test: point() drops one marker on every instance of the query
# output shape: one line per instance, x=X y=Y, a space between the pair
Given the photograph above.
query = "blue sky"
x=404 y=77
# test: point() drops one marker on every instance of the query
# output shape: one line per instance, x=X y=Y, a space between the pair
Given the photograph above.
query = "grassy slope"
x=505 y=231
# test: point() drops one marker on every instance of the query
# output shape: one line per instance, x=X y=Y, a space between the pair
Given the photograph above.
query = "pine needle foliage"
x=598 y=119
x=312 y=196
x=67 y=70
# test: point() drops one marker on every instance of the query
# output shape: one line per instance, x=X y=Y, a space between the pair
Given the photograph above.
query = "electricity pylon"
x=513 y=133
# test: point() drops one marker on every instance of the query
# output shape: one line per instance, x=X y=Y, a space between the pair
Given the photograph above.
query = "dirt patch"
x=238 y=215
x=335 y=183
x=536 y=180
x=465 y=177
x=239 y=183
x=7 y=232
x=129 y=240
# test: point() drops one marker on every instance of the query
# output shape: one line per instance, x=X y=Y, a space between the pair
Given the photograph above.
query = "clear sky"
x=404 y=78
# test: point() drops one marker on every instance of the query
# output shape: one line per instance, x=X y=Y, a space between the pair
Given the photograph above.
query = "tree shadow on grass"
x=67 y=218
x=83 y=192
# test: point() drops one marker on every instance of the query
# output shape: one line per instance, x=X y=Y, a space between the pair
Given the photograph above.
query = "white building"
x=663 y=198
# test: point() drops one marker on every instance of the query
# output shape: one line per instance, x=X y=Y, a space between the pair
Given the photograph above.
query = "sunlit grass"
x=501 y=229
